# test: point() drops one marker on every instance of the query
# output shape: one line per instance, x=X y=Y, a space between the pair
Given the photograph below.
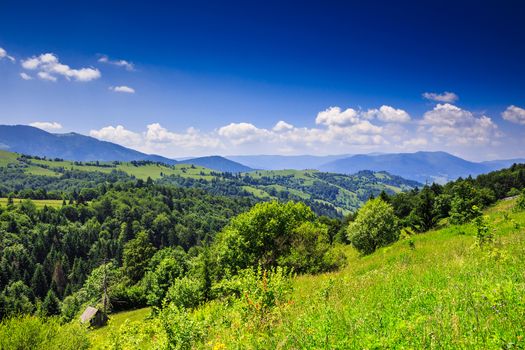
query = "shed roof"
x=88 y=314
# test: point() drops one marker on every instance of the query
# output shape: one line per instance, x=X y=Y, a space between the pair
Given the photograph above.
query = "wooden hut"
x=94 y=317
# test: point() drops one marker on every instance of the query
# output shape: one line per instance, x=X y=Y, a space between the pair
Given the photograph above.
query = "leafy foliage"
x=273 y=234
x=375 y=226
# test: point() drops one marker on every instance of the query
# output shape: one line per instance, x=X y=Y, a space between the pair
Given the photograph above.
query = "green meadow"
x=435 y=290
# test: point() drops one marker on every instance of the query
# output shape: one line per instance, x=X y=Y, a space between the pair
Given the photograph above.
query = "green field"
x=40 y=203
x=341 y=194
x=53 y=167
x=116 y=321
x=442 y=292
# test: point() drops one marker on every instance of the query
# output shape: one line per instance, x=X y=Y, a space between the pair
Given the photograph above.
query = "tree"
x=375 y=226
x=17 y=299
x=261 y=235
x=51 y=304
x=39 y=282
x=464 y=200
x=310 y=250
x=137 y=253
x=424 y=215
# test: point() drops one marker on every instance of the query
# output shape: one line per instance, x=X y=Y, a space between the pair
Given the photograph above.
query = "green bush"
x=30 y=332
x=462 y=205
x=520 y=203
x=274 y=234
x=184 y=293
x=311 y=251
x=375 y=226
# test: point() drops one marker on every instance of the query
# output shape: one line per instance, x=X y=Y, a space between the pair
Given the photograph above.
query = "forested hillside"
x=328 y=194
x=222 y=271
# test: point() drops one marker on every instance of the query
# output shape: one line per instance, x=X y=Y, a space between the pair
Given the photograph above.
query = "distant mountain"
x=72 y=146
x=218 y=163
x=33 y=141
x=420 y=166
x=277 y=162
x=503 y=163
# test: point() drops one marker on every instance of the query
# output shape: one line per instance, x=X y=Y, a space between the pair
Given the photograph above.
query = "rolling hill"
x=431 y=290
x=218 y=163
x=327 y=193
x=72 y=146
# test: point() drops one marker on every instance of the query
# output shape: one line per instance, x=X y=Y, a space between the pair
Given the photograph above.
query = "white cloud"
x=453 y=125
x=239 y=133
x=120 y=63
x=445 y=127
x=25 y=76
x=415 y=142
x=3 y=54
x=117 y=134
x=157 y=139
x=443 y=97
x=388 y=114
x=281 y=125
x=336 y=116
x=49 y=68
x=122 y=88
x=46 y=76
x=514 y=114
x=48 y=126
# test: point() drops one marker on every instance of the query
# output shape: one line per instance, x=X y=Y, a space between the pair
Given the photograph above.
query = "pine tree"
x=39 y=282
x=51 y=304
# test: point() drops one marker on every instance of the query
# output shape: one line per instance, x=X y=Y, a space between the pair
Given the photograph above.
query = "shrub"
x=375 y=226
x=463 y=202
x=263 y=294
x=273 y=234
x=184 y=293
x=30 y=332
x=483 y=233
x=520 y=203
x=310 y=250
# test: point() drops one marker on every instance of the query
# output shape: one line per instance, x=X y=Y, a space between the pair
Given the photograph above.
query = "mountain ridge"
x=78 y=147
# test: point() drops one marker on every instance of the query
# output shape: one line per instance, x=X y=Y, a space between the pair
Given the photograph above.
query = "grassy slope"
x=116 y=321
x=40 y=203
x=300 y=185
x=445 y=293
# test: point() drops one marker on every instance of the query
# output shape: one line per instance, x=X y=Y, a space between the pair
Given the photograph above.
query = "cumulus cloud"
x=46 y=76
x=157 y=139
x=3 y=54
x=117 y=134
x=25 y=76
x=388 y=114
x=239 y=133
x=281 y=125
x=48 y=126
x=119 y=63
x=514 y=114
x=336 y=116
x=453 y=125
x=49 y=68
x=444 y=127
x=446 y=96
x=123 y=89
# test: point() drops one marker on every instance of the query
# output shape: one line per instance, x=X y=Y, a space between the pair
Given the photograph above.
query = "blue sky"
x=251 y=77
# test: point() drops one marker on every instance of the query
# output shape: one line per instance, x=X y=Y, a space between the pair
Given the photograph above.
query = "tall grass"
x=443 y=290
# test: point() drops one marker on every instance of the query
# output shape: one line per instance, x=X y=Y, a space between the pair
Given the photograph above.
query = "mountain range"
x=72 y=146
x=419 y=166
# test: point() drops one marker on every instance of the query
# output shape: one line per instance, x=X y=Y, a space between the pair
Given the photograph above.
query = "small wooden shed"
x=94 y=317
